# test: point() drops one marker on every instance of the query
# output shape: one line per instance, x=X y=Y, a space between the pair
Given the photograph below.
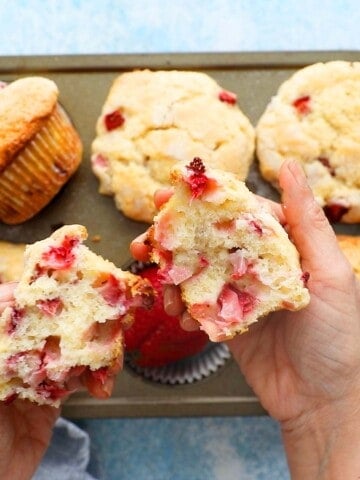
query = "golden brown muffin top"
x=25 y=105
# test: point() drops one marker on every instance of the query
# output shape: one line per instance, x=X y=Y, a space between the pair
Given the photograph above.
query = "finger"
x=139 y=249
x=308 y=226
x=275 y=208
x=173 y=304
x=7 y=291
x=188 y=323
x=162 y=196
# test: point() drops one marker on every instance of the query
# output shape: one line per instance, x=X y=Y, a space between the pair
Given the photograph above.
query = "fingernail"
x=188 y=323
x=168 y=299
x=297 y=172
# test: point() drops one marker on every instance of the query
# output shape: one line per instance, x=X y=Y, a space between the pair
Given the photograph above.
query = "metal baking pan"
x=84 y=81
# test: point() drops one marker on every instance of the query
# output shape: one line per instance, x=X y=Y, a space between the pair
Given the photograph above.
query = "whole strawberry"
x=156 y=338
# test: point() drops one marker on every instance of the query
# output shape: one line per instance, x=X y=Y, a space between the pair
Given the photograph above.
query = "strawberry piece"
x=239 y=263
x=114 y=120
x=100 y=161
x=17 y=314
x=335 y=212
x=235 y=304
x=61 y=257
x=256 y=227
x=302 y=105
x=52 y=390
x=198 y=182
x=305 y=278
x=228 y=97
x=157 y=338
x=31 y=361
x=50 y=307
x=110 y=289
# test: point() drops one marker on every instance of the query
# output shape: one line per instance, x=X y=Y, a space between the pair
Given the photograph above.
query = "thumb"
x=308 y=226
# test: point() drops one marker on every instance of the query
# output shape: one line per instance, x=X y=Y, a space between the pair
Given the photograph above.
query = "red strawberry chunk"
x=302 y=104
x=114 y=120
x=50 y=307
x=239 y=263
x=100 y=160
x=61 y=257
x=16 y=316
x=52 y=390
x=111 y=290
x=235 y=304
x=335 y=211
x=228 y=97
x=198 y=182
x=256 y=227
x=305 y=278
x=29 y=361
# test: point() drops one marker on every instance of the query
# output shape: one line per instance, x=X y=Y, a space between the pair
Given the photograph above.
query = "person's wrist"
x=324 y=443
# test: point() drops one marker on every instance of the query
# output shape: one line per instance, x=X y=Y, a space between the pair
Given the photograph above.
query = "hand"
x=25 y=428
x=305 y=366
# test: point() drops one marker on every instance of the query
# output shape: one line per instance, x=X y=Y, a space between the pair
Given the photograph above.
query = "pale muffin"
x=153 y=119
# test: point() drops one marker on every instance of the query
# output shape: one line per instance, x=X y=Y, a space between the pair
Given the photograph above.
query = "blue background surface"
x=247 y=448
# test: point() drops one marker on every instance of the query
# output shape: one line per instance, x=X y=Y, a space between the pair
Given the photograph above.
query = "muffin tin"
x=84 y=82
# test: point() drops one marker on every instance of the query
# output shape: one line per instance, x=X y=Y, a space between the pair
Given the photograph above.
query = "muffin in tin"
x=40 y=148
x=153 y=119
x=159 y=350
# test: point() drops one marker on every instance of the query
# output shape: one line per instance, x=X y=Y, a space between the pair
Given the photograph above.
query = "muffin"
x=153 y=119
x=314 y=119
x=156 y=338
x=11 y=261
x=350 y=245
x=66 y=325
x=158 y=349
x=39 y=147
x=230 y=256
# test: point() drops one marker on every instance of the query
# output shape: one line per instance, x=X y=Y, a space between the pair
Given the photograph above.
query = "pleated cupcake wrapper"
x=38 y=172
x=188 y=370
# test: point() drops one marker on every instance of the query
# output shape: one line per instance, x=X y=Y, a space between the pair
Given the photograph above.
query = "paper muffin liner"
x=40 y=169
x=188 y=370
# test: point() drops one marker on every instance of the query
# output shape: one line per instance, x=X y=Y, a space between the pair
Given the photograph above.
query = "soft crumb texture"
x=153 y=119
x=350 y=245
x=232 y=259
x=314 y=119
x=11 y=261
x=66 y=324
